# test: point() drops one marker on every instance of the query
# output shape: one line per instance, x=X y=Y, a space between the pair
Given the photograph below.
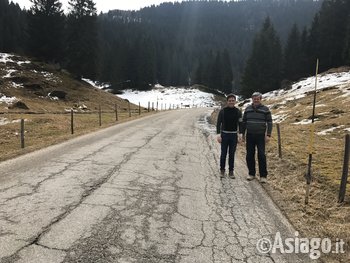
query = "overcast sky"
x=106 y=5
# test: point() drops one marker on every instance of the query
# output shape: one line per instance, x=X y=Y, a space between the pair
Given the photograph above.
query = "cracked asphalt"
x=143 y=191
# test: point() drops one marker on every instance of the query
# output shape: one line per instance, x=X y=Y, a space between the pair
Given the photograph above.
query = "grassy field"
x=42 y=130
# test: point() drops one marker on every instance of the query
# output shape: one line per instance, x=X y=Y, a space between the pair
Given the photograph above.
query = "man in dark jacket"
x=229 y=120
x=257 y=124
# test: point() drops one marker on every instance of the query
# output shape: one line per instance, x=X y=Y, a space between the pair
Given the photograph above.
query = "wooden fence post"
x=22 y=133
x=99 y=115
x=345 y=174
x=279 y=140
x=148 y=106
x=129 y=109
x=71 y=122
x=116 y=111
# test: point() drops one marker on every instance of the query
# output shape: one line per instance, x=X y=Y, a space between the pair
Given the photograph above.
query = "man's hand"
x=267 y=138
x=219 y=139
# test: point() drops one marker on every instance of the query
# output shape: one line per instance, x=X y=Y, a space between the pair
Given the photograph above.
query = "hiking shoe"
x=263 y=180
x=222 y=173
x=250 y=177
x=231 y=174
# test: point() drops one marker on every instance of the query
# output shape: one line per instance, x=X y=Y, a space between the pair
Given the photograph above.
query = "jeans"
x=258 y=141
x=229 y=142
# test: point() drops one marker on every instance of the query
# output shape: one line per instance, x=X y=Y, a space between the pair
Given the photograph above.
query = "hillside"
x=43 y=96
x=42 y=88
x=292 y=109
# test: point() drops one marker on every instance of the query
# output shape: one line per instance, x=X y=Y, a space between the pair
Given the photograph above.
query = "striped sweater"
x=257 y=120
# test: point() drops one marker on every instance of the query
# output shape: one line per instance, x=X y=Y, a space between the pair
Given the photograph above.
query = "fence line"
x=42 y=128
x=118 y=111
x=318 y=150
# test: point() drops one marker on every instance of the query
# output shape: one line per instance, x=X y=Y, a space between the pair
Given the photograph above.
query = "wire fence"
x=331 y=153
x=22 y=132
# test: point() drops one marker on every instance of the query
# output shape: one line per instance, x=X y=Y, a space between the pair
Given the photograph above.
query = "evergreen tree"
x=346 y=50
x=215 y=80
x=142 y=70
x=227 y=75
x=45 y=27
x=82 y=42
x=198 y=75
x=313 y=44
x=263 y=69
x=293 y=55
x=12 y=27
x=333 y=24
x=305 y=60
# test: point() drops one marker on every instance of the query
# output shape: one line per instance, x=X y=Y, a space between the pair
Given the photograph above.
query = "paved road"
x=143 y=191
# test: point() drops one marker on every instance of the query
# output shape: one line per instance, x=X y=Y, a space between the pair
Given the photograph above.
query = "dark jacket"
x=257 y=120
x=229 y=120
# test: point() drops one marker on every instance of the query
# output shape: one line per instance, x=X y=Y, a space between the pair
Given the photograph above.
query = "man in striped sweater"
x=257 y=127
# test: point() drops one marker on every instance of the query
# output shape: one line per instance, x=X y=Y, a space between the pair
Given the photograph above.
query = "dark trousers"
x=229 y=142
x=258 y=141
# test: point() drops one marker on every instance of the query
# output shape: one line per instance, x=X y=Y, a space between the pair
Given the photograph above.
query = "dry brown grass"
x=42 y=130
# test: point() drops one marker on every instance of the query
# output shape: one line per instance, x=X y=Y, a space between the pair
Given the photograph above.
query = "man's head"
x=231 y=100
x=256 y=98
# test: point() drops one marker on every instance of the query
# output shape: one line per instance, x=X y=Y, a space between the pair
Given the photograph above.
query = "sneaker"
x=250 y=177
x=231 y=174
x=222 y=173
x=263 y=180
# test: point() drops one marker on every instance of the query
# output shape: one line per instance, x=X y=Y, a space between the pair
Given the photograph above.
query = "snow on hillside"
x=170 y=96
x=300 y=89
x=165 y=96
x=5 y=58
x=339 y=81
x=7 y=100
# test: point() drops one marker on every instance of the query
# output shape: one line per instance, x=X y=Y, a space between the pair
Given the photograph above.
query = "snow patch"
x=4 y=121
x=278 y=118
x=7 y=100
x=304 y=122
x=300 y=89
x=324 y=132
x=4 y=58
x=9 y=73
x=97 y=84
x=170 y=97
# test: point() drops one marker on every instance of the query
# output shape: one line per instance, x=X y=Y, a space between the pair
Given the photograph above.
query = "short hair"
x=231 y=95
x=257 y=94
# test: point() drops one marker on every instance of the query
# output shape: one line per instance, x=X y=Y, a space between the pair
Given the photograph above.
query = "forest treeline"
x=236 y=46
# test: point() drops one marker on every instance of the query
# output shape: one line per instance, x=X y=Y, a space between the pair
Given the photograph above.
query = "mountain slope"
x=43 y=88
x=42 y=96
